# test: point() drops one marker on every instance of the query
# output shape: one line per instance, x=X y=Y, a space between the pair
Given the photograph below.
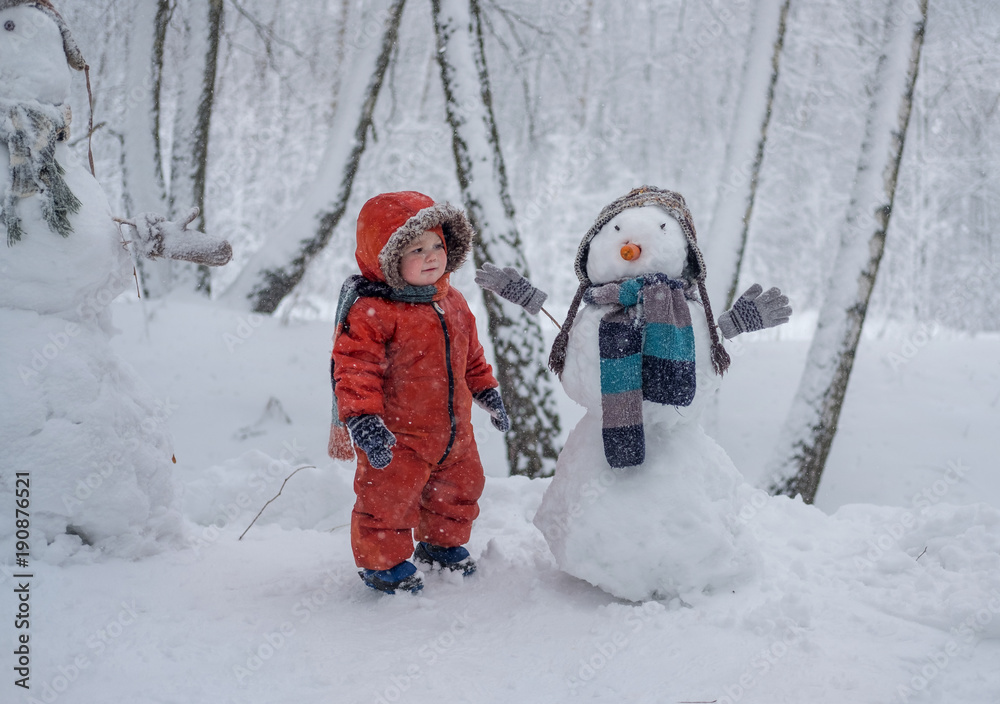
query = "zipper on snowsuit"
x=451 y=381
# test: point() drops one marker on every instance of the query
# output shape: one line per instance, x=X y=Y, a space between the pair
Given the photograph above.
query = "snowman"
x=644 y=503
x=83 y=444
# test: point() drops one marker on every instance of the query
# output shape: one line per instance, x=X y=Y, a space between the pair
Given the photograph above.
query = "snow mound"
x=667 y=528
x=94 y=441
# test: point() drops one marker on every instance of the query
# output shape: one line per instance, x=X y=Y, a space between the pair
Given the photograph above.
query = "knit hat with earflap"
x=694 y=272
x=73 y=55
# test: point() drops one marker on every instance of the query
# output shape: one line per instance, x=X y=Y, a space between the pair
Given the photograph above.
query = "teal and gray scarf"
x=647 y=354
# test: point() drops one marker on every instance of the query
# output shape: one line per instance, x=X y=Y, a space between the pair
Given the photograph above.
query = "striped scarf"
x=359 y=287
x=647 y=353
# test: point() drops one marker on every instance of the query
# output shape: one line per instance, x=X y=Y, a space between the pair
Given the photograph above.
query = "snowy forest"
x=590 y=99
x=280 y=121
x=828 y=531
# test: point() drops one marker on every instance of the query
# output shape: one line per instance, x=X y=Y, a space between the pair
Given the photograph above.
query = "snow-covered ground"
x=889 y=591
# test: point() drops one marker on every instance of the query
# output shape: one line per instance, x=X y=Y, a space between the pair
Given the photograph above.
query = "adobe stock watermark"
x=579 y=160
x=246 y=326
x=59 y=341
x=373 y=28
x=97 y=643
x=261 y=481
x=278 y=638
x=965 y=636
x=590 y=493
x=891 y=534
x=103 y=472
x=970 y=288
x=430 y=652
x=761 y=665
x=609 y=648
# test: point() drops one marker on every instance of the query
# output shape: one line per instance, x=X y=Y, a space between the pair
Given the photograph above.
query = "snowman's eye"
x=9 y=25
x=663 y=226
x=617 y=228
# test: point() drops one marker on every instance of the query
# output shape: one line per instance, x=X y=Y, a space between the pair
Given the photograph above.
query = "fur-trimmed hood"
x=73 y=55
x=389 y=222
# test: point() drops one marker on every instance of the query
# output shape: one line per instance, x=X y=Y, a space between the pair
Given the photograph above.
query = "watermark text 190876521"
x=22 y=579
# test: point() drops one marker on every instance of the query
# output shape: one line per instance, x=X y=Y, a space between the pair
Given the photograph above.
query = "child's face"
x=424 y=260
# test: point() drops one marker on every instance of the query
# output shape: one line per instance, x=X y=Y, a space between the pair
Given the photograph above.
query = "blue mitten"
x=490 y=401
x=370 y=434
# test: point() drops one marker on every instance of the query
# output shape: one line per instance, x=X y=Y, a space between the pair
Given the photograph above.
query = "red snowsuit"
x=415 y=365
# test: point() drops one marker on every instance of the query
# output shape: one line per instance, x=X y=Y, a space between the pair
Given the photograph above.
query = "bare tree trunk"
x=189 y=164
x=164 y=12
x=520 y=352
x=726 y=241
x=811 y=425
x=143 y=185
x=279 y=265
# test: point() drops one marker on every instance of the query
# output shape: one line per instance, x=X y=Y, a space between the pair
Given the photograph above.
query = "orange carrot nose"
x=630 y=252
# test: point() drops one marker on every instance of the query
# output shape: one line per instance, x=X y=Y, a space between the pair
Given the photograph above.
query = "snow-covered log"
x=519 y=350
x=726 y=241
x=279 y=265
x=811 y=424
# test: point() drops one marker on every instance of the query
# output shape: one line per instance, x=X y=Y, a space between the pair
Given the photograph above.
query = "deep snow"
x=843 y=610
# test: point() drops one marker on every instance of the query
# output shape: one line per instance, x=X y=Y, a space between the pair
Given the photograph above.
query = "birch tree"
x=189 y=159
x=280 y=264
x=727 y=238
x=811 y=424
x=143 y=183
x=519 y=350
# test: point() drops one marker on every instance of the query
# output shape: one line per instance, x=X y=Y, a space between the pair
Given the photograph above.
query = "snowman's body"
x=76 y=421
x=669 y=526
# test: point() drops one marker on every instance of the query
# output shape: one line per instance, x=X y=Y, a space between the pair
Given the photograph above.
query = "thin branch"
x=266 y=34
x=305 y=466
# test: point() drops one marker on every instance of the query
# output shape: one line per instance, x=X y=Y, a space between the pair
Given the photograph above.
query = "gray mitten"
x=158 y=237
x=755 y=311
x=510 y=285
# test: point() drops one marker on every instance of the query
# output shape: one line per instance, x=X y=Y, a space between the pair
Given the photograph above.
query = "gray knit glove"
x=490 y=401
x=755 y=311
x=370 y=434
x=509 y=284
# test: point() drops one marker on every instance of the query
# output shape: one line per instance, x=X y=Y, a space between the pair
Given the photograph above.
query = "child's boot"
x=455 y=559
x=403 y=576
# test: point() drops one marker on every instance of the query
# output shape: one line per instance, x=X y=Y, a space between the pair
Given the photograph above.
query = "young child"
x=406 y=367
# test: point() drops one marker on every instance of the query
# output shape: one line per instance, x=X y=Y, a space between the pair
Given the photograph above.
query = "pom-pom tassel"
x=342 y=447
x=720 y=358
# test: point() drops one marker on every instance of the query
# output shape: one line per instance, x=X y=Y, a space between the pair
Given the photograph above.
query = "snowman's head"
x=36 y=52
x=637 y=241
x=647 y=230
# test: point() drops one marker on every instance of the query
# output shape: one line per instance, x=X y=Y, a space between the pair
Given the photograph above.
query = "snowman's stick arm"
x=554 y=321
